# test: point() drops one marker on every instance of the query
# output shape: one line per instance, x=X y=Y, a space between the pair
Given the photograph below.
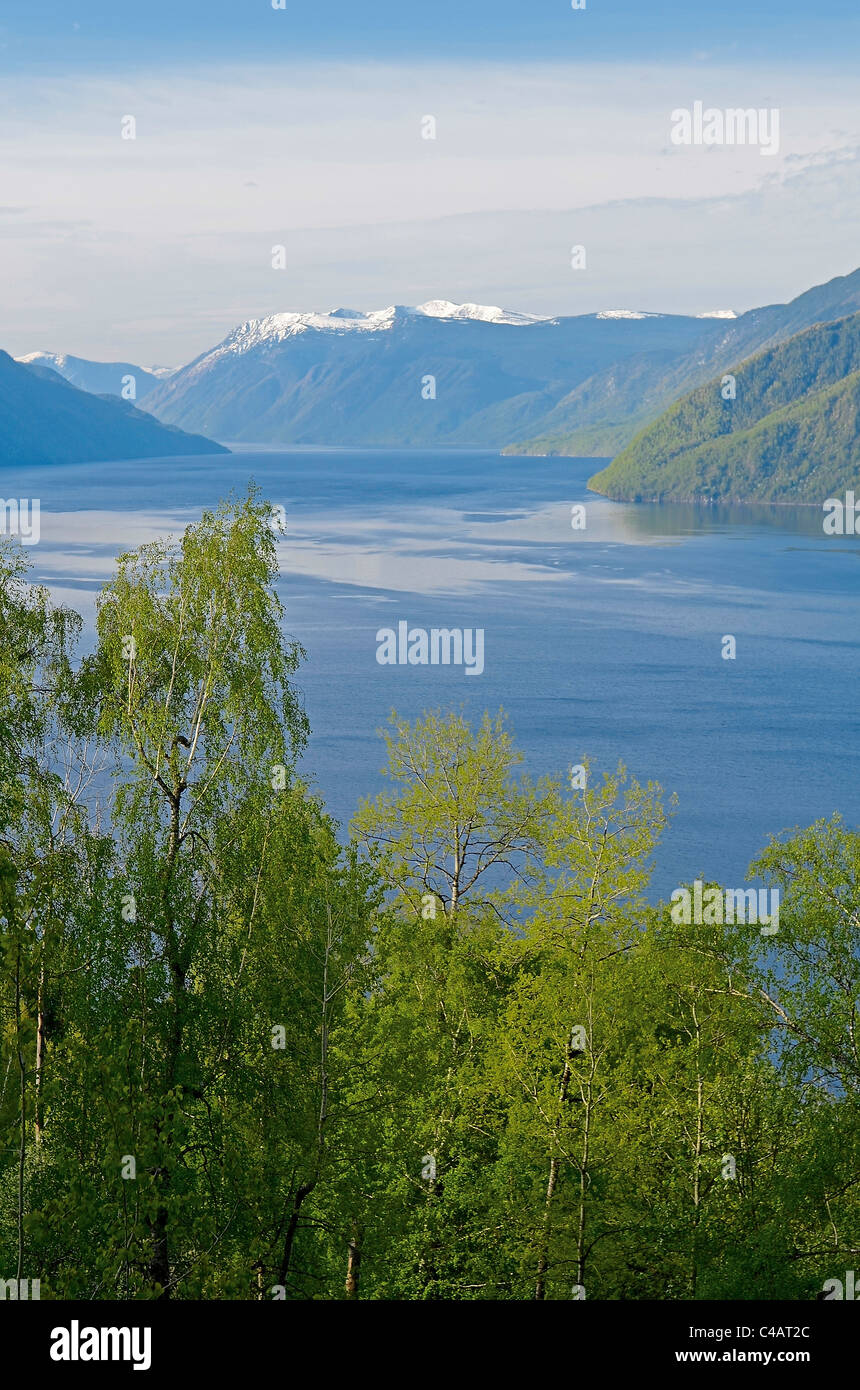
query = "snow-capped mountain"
x=99 y=378
x=436 y=373
x=485 y=313
x=468 y=375
x=626 y=314
x=276 y=327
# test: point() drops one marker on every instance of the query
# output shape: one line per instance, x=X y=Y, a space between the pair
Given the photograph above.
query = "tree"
x=568 y=1020
x=192 y=679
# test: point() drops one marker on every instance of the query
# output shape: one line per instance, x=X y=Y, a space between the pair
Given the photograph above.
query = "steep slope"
x=790 y=434
x=43 y=419
x=602 y=414
x=352 y=378
x=99 y=378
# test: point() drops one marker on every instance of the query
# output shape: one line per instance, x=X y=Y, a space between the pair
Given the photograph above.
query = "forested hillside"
x=458 y=1057
x=780 y=427
x=604 y=413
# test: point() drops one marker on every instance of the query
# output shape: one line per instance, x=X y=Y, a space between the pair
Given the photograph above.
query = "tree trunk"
x=554 y=1165
x=22 y=1146
x=697 y=1164
x=40 y=1057
x=353 y=1263
x=302 y=1192
x=159 y=1262
x=583 y=1183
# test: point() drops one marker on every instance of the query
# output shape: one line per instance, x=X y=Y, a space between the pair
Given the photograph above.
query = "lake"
x=604 y=642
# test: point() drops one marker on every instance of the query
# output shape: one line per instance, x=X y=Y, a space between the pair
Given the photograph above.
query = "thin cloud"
x=160 y=249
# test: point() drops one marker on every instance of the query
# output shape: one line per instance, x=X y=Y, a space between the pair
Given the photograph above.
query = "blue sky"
x=41 y=31
x=302 y=128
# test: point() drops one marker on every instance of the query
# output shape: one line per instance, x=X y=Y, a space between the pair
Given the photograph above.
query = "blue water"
x=603 y=643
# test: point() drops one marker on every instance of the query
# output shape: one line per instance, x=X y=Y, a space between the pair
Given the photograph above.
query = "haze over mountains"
x=100 y=378
x=603 y=414
x=444 y=374
x=436 y=375
x=471 y=375
x=46 y=420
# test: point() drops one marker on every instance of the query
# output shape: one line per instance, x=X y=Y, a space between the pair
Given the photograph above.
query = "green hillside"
x=604 y=413
x=789 y=435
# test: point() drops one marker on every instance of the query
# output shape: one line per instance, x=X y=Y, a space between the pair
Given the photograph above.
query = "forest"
x=780 y=426
x=451 y=1052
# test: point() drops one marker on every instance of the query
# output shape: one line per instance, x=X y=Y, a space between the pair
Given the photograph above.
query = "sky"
x=304 y=127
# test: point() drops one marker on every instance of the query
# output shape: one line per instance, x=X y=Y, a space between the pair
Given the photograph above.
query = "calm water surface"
x=604 y=642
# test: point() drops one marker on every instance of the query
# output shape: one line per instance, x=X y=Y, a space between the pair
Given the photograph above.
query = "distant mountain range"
x=441 y=374
x=100 y=378
x=602 y=414
x=781 y=426
x=44 y=419
x=642 y=386
x=446 y=374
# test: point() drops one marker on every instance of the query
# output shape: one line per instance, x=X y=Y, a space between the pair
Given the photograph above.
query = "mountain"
x=602 y=414
x=355 y=378
x=100 y=378
x=788 y=432
x=44 y=419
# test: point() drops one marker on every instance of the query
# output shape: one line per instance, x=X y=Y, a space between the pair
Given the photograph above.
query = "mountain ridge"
x=44 y=419
x=603 y=414
x=98 y=378
x=447 y=374
x=439 y=374
x=782 y=426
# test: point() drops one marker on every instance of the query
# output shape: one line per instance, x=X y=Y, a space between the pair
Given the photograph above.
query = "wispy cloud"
x=151 y=248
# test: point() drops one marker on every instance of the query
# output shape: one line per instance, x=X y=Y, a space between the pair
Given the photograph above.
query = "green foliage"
x=458 y=1057
x=603 y=413
x=788 y=435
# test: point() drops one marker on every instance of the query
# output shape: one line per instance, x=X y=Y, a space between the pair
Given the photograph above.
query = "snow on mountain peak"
x=276 y=327
x=485 y=313
x=626 y=314
x=57 y=359
x=718 y=314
